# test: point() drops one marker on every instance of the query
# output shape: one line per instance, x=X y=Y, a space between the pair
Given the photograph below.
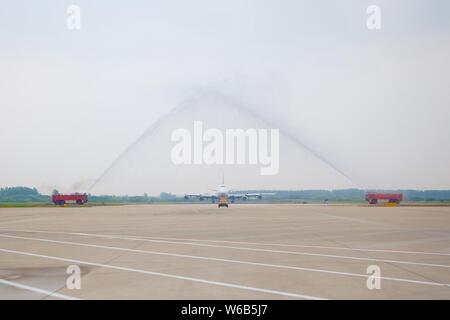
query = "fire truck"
x=61 y=199
x=394 y=198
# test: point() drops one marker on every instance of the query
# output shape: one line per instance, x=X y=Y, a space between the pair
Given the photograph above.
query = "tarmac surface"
x=248 y=251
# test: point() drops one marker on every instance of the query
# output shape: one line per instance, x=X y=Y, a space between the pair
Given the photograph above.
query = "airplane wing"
x=253 y=194
x=245 y=196
x=200 y=196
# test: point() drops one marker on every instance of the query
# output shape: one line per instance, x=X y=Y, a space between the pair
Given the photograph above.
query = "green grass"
x=25 y=204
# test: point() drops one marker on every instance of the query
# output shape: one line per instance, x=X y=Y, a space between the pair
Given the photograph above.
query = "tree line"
x=25 y=194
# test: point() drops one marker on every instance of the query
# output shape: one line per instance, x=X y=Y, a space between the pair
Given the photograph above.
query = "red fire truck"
x=61 y=199
x=373 y=197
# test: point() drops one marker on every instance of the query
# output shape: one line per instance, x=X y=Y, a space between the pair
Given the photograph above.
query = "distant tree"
x=166 y=196
x=21 y=194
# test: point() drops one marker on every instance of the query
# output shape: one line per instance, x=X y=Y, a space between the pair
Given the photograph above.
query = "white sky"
x=374 y=104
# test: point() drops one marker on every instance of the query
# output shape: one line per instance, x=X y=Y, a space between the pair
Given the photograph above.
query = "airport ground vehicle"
x=61 y=199
x=373 y=197
x=223 y=201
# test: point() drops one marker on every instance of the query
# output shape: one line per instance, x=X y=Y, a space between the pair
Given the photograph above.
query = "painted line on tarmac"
x=38 y=290
x=258 y=249
x=128 y=237
x=229 y=260
x=301 y=246
x=167 y=275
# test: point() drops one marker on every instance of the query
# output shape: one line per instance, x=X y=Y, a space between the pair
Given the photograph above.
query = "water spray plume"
x=229 y=102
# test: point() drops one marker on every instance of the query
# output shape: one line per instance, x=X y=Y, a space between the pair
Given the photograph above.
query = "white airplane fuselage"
x=222 y=191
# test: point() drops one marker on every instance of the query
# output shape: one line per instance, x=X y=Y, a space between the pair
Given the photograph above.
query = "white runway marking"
x=29 y=288
x=259 y=250
x=302 y=246
x=229 y=260
x=167 y=275
x=128 y=237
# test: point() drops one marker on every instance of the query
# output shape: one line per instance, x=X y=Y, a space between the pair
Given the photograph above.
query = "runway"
x=248 y=251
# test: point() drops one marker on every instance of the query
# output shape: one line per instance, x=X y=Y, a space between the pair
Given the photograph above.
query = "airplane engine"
x=244 y=198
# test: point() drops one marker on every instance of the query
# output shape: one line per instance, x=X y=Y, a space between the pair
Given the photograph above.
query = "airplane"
x=224 y=195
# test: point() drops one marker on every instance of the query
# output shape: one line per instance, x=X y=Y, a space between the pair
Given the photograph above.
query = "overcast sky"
x=357 y=107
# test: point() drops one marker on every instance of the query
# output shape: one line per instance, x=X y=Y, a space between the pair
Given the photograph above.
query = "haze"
x=358 y=107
